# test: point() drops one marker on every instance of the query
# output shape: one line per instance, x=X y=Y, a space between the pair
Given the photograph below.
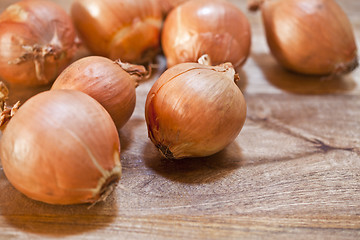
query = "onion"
x=111 y=83
x=194 y=110
x=61 y=147
x=214 y=27
x=309 y=36
x=37 y=41
x=125 y=29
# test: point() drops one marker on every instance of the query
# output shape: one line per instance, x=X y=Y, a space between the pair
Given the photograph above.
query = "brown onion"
x=61 y=147
x=194 y=110
x=37 y=41
x=214 y=27
x=309 y=36
x=111 y=83
x=125 y=29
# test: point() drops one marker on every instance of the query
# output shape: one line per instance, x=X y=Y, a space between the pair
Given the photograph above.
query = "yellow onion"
x=214 y=27
x=125 y=29
x=309 y=36
x=194 y=110
x=111 y=83
x=61 y=147
x=37 y=41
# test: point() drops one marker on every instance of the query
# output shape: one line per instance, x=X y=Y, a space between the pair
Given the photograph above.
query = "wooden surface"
x=292 y=173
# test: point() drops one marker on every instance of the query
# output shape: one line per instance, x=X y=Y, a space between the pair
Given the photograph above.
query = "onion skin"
x=61 y=147
x=214 y=27
x=310 y=36
x=105 y=81
x=125 y=29
x=37 y=41
x=194 y=110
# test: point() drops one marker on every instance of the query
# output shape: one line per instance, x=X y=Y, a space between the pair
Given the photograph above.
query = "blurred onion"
x=309 y=36
x=214 y=27
x=125 y=29
x=37 y=41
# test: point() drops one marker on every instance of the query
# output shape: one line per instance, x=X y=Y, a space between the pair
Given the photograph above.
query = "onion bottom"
x=164 y=150
x=348 y=67
x=107 y=183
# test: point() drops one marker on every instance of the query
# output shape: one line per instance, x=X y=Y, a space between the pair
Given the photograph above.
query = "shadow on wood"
x=301 y=84
x=128 y=132
x=52 y=220
x=22 y=93
x=195 y=170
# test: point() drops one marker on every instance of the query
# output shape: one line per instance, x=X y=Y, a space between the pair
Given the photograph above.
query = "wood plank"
x=292 y=173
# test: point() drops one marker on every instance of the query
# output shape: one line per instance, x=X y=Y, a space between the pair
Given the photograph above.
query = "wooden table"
x=293 y=172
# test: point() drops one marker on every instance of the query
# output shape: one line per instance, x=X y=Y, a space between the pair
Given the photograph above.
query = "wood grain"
x=292 y=173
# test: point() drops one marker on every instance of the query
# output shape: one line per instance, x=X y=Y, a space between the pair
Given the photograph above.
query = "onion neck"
x=137 y=72
x=165 y=151
x=38 y=54
x=107 y=182
x=347 y=67
x=226 y=68
x=205 y=60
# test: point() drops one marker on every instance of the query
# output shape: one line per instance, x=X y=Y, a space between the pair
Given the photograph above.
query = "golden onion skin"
x=28 y=30
x=310 y=36
x=214 y=27
x=105 y=81
x=61 y=147
x=194 y=110
x=125 y=29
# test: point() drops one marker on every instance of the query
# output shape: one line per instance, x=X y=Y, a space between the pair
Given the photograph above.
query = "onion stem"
x=38 y=54
x=137 y=72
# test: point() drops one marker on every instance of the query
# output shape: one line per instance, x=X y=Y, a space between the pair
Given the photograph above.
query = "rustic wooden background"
x=293 y=172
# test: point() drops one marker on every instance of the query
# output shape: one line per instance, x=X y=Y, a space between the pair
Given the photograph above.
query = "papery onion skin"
x=125 y=29
x=61 y=147
x=194 y=110
x=310 y=36
x=37 y=41
x=105 y=81
x=214 y=27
